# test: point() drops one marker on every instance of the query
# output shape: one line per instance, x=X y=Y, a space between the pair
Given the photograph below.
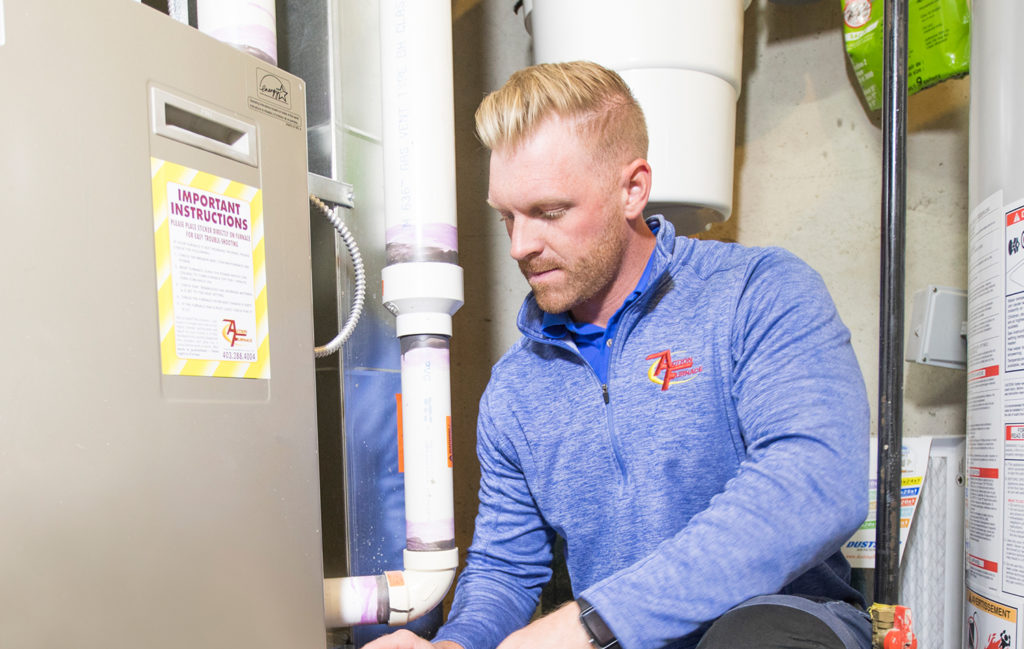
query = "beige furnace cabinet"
x=158 y=461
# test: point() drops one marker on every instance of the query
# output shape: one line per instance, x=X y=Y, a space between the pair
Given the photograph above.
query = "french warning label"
x=210 y=275
x=990 y=624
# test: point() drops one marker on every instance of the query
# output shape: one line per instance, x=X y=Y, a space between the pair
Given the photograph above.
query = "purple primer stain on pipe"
x=408 y=242
x=364 y=591
x=430 y=535
x=435 y=356
x=431 y=235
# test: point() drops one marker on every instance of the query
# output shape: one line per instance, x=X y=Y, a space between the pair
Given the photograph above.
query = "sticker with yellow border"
x=990 y=624
x=210 y=274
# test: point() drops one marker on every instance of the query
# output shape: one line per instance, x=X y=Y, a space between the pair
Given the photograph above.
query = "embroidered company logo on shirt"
x=665 y=371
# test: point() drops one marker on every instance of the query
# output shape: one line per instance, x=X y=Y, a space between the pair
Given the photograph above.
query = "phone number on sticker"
x=239 y=356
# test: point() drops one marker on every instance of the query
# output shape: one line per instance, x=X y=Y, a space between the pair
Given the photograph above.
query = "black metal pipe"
x=890 y=371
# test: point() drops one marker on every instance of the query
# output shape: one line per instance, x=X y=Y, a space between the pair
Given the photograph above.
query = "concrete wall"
x=808 y=177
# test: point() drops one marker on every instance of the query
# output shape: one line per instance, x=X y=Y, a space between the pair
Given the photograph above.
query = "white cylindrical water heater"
x=995 y=331
x=683 y=61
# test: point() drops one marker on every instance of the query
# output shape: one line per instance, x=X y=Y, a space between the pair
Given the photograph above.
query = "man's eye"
x=553 y=214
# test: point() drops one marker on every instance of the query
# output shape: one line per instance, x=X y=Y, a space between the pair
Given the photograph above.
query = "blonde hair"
x=596 y=98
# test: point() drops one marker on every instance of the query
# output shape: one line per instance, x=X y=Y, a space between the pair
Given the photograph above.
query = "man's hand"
x=405 y=639
x=559 y=630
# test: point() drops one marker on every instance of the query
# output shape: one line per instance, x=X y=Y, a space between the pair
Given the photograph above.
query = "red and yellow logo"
x=233 y=334
x=666 y=371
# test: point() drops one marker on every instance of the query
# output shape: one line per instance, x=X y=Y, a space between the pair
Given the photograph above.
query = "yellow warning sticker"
x=995 y=609
x=210 y=274
x=989 y=624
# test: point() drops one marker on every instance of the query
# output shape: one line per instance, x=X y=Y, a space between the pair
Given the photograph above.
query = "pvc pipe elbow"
x=425 y=582
x=396 y=597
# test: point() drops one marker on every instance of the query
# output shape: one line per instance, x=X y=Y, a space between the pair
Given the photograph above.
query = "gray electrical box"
x=936 y=335
x=158 y=446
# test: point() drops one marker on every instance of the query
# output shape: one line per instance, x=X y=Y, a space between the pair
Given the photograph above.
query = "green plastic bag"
x=938 y=47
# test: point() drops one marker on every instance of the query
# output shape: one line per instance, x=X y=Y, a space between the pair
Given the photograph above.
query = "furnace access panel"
x=158 y=465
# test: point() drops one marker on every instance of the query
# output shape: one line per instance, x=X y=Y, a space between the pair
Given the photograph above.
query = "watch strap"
x=600 y=635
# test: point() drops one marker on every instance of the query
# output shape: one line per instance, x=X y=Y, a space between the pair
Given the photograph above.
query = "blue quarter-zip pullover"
x=726 y=457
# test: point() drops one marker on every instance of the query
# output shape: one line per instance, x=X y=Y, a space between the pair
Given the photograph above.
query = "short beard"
x=589 y=275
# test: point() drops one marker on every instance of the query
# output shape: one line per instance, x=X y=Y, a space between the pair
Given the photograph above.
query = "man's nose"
x=525 y=238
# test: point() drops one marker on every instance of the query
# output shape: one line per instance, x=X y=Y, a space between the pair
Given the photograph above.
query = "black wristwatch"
x=600 y=635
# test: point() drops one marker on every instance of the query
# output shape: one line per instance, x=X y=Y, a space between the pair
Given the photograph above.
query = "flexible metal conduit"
x=359 y=273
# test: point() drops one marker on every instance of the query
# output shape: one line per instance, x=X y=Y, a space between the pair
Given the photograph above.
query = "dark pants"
x=789 y=622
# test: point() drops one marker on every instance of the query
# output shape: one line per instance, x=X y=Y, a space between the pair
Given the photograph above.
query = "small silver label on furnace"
x=1 y=23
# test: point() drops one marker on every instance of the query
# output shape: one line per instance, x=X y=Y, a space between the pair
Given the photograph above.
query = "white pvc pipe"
x=248 y=25
x=426 y=432
x=422 y=286
x=418 y=127
x=351 y=601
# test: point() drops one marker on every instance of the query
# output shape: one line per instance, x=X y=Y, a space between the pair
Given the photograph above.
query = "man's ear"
x=636 y=183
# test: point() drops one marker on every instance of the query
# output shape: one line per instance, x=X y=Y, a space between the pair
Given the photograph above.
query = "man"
x=688 y=415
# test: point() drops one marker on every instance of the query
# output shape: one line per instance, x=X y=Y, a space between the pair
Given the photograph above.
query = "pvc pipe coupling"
x=423 y=296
